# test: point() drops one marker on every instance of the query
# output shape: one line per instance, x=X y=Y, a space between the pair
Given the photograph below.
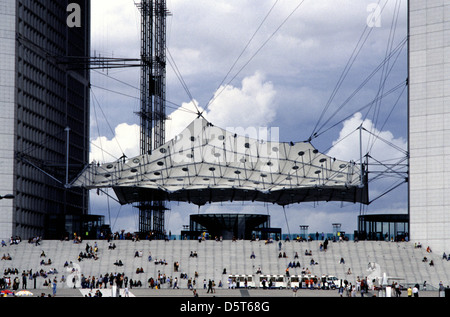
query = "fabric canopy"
x=206 y=164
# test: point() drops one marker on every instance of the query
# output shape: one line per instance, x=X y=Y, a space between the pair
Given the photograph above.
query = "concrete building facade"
x=429 y=122
x=39 y=98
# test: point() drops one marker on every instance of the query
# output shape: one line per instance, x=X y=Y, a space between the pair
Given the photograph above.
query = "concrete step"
x=396 y=259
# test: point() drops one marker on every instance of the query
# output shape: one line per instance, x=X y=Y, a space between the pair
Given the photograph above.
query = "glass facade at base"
x=393 y=227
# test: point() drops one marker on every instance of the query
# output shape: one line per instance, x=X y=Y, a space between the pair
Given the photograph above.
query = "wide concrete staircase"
x=400 y=260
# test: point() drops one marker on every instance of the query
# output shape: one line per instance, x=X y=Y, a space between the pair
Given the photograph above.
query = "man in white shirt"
x=415 y=291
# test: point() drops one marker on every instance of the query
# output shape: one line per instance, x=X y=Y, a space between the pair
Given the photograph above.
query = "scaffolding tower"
x=153 y=108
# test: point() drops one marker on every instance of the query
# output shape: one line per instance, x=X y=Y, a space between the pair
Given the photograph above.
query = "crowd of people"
x=348 y=289
x=12 y=241
x=13 y=280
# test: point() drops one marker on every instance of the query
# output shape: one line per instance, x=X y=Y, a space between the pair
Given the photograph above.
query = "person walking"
x=54 y=287
x=24 y=280
x=415 y=291
x=210 y=286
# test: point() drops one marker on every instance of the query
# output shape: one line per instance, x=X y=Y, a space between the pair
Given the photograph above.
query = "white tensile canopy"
x=205 y=164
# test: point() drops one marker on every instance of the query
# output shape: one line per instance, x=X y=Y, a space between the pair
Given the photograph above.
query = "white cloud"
x=383 y=148
x=347 y=146
x=125 y=141
x=181 y=118
x=251 y=105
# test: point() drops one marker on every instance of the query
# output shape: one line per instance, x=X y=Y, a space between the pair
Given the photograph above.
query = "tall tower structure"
x=429 y=122
x=39 y=100
x=153 y=100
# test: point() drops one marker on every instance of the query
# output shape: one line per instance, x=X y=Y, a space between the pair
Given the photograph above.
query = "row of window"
x=42 y=81
x=42 y=25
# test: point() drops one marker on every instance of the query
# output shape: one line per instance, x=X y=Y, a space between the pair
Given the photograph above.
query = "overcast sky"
x=303 y=67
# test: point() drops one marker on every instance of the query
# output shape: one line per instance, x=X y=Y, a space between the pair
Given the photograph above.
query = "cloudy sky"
x=311 y=68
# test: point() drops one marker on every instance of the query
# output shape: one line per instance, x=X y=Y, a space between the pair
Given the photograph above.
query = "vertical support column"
x=360 y=155
x=146 y=8
x=153 y=108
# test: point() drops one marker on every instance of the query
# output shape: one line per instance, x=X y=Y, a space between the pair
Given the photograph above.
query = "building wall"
x=429 y=122
x=45 y=97
x=7 y=111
